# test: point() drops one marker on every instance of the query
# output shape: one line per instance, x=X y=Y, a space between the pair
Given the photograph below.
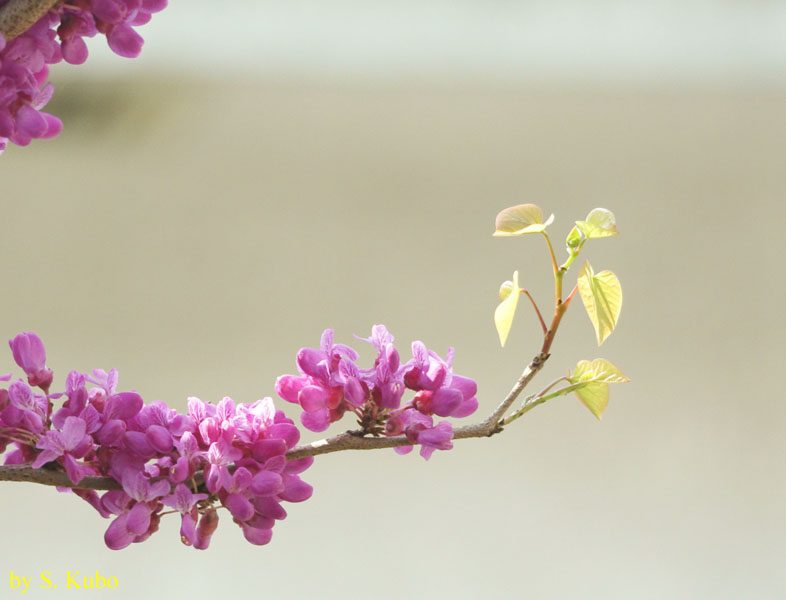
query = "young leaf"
x=594 y=396
x=599 y=223
x=593 y=379
x=599 y=370
x=520 y=220
x=503 y=316
x=602 y=297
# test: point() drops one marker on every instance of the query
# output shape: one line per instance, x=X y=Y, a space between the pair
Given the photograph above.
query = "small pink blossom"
x=29 y=353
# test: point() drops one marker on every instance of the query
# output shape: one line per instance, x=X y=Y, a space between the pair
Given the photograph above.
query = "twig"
x=17 y=16
x=56 y=477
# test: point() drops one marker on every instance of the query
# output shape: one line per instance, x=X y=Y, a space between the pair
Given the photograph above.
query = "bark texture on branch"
x=17 y=16
x=349 y=440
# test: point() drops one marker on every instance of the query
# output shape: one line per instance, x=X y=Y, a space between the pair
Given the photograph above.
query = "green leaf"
x=509 y=293
x=602 y=297
x=599 y=370
x=593 y=379
x=520 y=220
x=594 y=396
x=599 y=223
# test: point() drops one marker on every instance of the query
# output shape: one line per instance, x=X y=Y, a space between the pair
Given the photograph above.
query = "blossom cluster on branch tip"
x=226 y=456
x=59 y=35
x=229 y=455
x=330 y=384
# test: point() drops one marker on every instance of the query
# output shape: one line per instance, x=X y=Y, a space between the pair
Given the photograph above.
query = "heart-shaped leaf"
x=520 y=220
x=593 y=379
x=599 y=223
x=602 y=297
x=599 y=370
x=503 y=316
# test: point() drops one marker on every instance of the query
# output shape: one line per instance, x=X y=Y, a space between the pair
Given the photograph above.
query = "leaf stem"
x=551 y=251
x=572 y=293
x=538 y=399
x=537 y=310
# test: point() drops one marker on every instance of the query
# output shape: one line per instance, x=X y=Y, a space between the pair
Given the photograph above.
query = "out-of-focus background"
x=266 y=170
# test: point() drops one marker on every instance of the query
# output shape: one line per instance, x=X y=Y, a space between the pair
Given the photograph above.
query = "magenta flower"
x=25 y=409
x=71 y=444
x=132 y=526
x=138 y=522
x=251 y=421
x=439 y=391
x=106 y=381
x=328 y=377
x=237 y=500
x=207 y=526
x=435 y=438
x=29 y=353
x=190 y=457
x=139 y=488
x=183 y=501
x=420 y=429
x=162 y=425
x=220 y=455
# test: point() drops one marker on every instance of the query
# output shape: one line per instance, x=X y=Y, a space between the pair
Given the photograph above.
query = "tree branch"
x=349 y=440
x=57 y=476
x=17 y=16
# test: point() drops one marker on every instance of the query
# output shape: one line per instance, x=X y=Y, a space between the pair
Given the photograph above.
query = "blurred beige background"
x=195 y=232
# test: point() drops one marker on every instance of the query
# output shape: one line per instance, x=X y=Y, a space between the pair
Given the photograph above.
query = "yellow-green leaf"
x=599 y=370
x=599 y=223
x=602 y=297
x=594 y=379
x=594 y=396
x=520 y=220
x=505 y=289
x=503 y=316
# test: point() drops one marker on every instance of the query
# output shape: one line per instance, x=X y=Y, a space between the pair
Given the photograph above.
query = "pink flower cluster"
x=225 y=456
x=230 y=455
x=330 y=384
x=59 y=35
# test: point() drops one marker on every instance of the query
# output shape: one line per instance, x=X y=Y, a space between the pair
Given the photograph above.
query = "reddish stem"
x=537 y=310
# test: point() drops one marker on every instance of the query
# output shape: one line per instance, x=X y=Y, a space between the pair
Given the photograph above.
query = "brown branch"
x=17 y=16
x=349 y=440
x=56 y=477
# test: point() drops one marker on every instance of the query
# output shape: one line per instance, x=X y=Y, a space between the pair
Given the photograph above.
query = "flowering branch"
x=244 y=458
x=17 y=16
x=348 y=440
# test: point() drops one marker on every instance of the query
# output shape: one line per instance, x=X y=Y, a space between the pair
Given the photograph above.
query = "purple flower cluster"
x=330 y=384
x=230 y=456
x=59 y=35
x=225 y=456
